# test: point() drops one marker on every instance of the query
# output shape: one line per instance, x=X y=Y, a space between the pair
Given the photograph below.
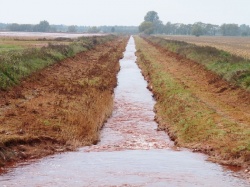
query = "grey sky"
x=123 y=12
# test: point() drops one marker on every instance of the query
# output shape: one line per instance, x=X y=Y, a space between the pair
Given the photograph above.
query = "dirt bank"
x=198 y=109
x=61 y=107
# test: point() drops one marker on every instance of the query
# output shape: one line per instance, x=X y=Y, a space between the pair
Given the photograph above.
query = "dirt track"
x=60 y=107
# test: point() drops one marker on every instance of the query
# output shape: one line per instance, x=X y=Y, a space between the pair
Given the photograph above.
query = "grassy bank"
x=17 y=64
x=61 y=107
x=189 y=121
x=230 y=67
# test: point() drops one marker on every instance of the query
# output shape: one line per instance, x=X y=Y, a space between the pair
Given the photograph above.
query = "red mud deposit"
x=131 y=152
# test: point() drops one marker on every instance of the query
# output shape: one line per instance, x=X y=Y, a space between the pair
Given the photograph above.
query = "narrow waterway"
x=131 y=152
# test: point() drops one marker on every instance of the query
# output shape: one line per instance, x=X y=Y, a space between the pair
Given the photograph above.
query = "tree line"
x=44 y=26
x=153 y=25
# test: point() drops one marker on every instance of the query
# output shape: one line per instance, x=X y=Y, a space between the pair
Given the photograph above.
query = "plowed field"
x=236 y=45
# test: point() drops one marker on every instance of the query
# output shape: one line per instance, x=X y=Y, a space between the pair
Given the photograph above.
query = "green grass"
x=9 y=47
x=17 y=64
x=230 y=67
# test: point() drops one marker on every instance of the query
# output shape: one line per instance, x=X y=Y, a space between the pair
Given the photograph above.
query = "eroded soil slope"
x=198 y=108
x=60 y=107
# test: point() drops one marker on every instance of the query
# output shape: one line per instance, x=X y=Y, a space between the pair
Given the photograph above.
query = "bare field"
x=45 y=35
x=10 y=43
x=236 y=45
x=21 y=40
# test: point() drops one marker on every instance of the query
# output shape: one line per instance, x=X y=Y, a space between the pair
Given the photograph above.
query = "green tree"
x=230 y=29
x=72 y=28
x=146 y=27
x=13 y=27
x=244 y=30
x=93 y=30
x=43 y=26
x=113 y=29
x=197 y=30
x=151 y=24
x=151 y=16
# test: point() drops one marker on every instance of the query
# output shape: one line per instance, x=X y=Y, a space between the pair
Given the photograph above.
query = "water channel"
x=131 y=152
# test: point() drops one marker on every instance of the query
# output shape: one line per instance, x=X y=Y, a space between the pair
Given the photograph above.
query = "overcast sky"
x=123 y=12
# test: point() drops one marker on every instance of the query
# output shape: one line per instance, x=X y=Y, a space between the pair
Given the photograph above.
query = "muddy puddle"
x=131 y=152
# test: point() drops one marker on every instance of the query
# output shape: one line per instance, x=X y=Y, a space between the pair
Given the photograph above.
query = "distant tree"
x=43 y=26
x=244 y=30
x=151 y=16
x=72 y=28
x=20 y=27
x=230 y=29
x=146 y=27
x=93 y=30
x=13 y=27
x=197 y=30
x=113 y=29
x=26 y=27
x=158 y=27
x=183 y=29
x=151 y=24
x=211 y=29
x=168 y=28
x=53 y=29
x=3 y=26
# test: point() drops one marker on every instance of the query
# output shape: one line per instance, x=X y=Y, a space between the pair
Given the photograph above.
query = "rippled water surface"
x=131 y=151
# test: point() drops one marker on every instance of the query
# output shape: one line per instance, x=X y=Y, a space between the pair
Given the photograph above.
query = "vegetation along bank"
x=197 y=101
x=62 y=106
x=233 y=68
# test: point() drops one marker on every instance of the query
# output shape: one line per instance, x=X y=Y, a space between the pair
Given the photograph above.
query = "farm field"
x=20 y=43
x=44 y=35
x=236 y=45
x=21 y=40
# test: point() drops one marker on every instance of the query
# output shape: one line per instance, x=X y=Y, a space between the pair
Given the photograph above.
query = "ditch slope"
x=60 y=107
x=198 y=109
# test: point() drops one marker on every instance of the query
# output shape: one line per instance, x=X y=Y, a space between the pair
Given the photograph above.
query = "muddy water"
x=131 y=151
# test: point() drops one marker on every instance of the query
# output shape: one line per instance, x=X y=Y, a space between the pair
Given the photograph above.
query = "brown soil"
x=235 y=45
x=61 y=107
x=225 y=99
